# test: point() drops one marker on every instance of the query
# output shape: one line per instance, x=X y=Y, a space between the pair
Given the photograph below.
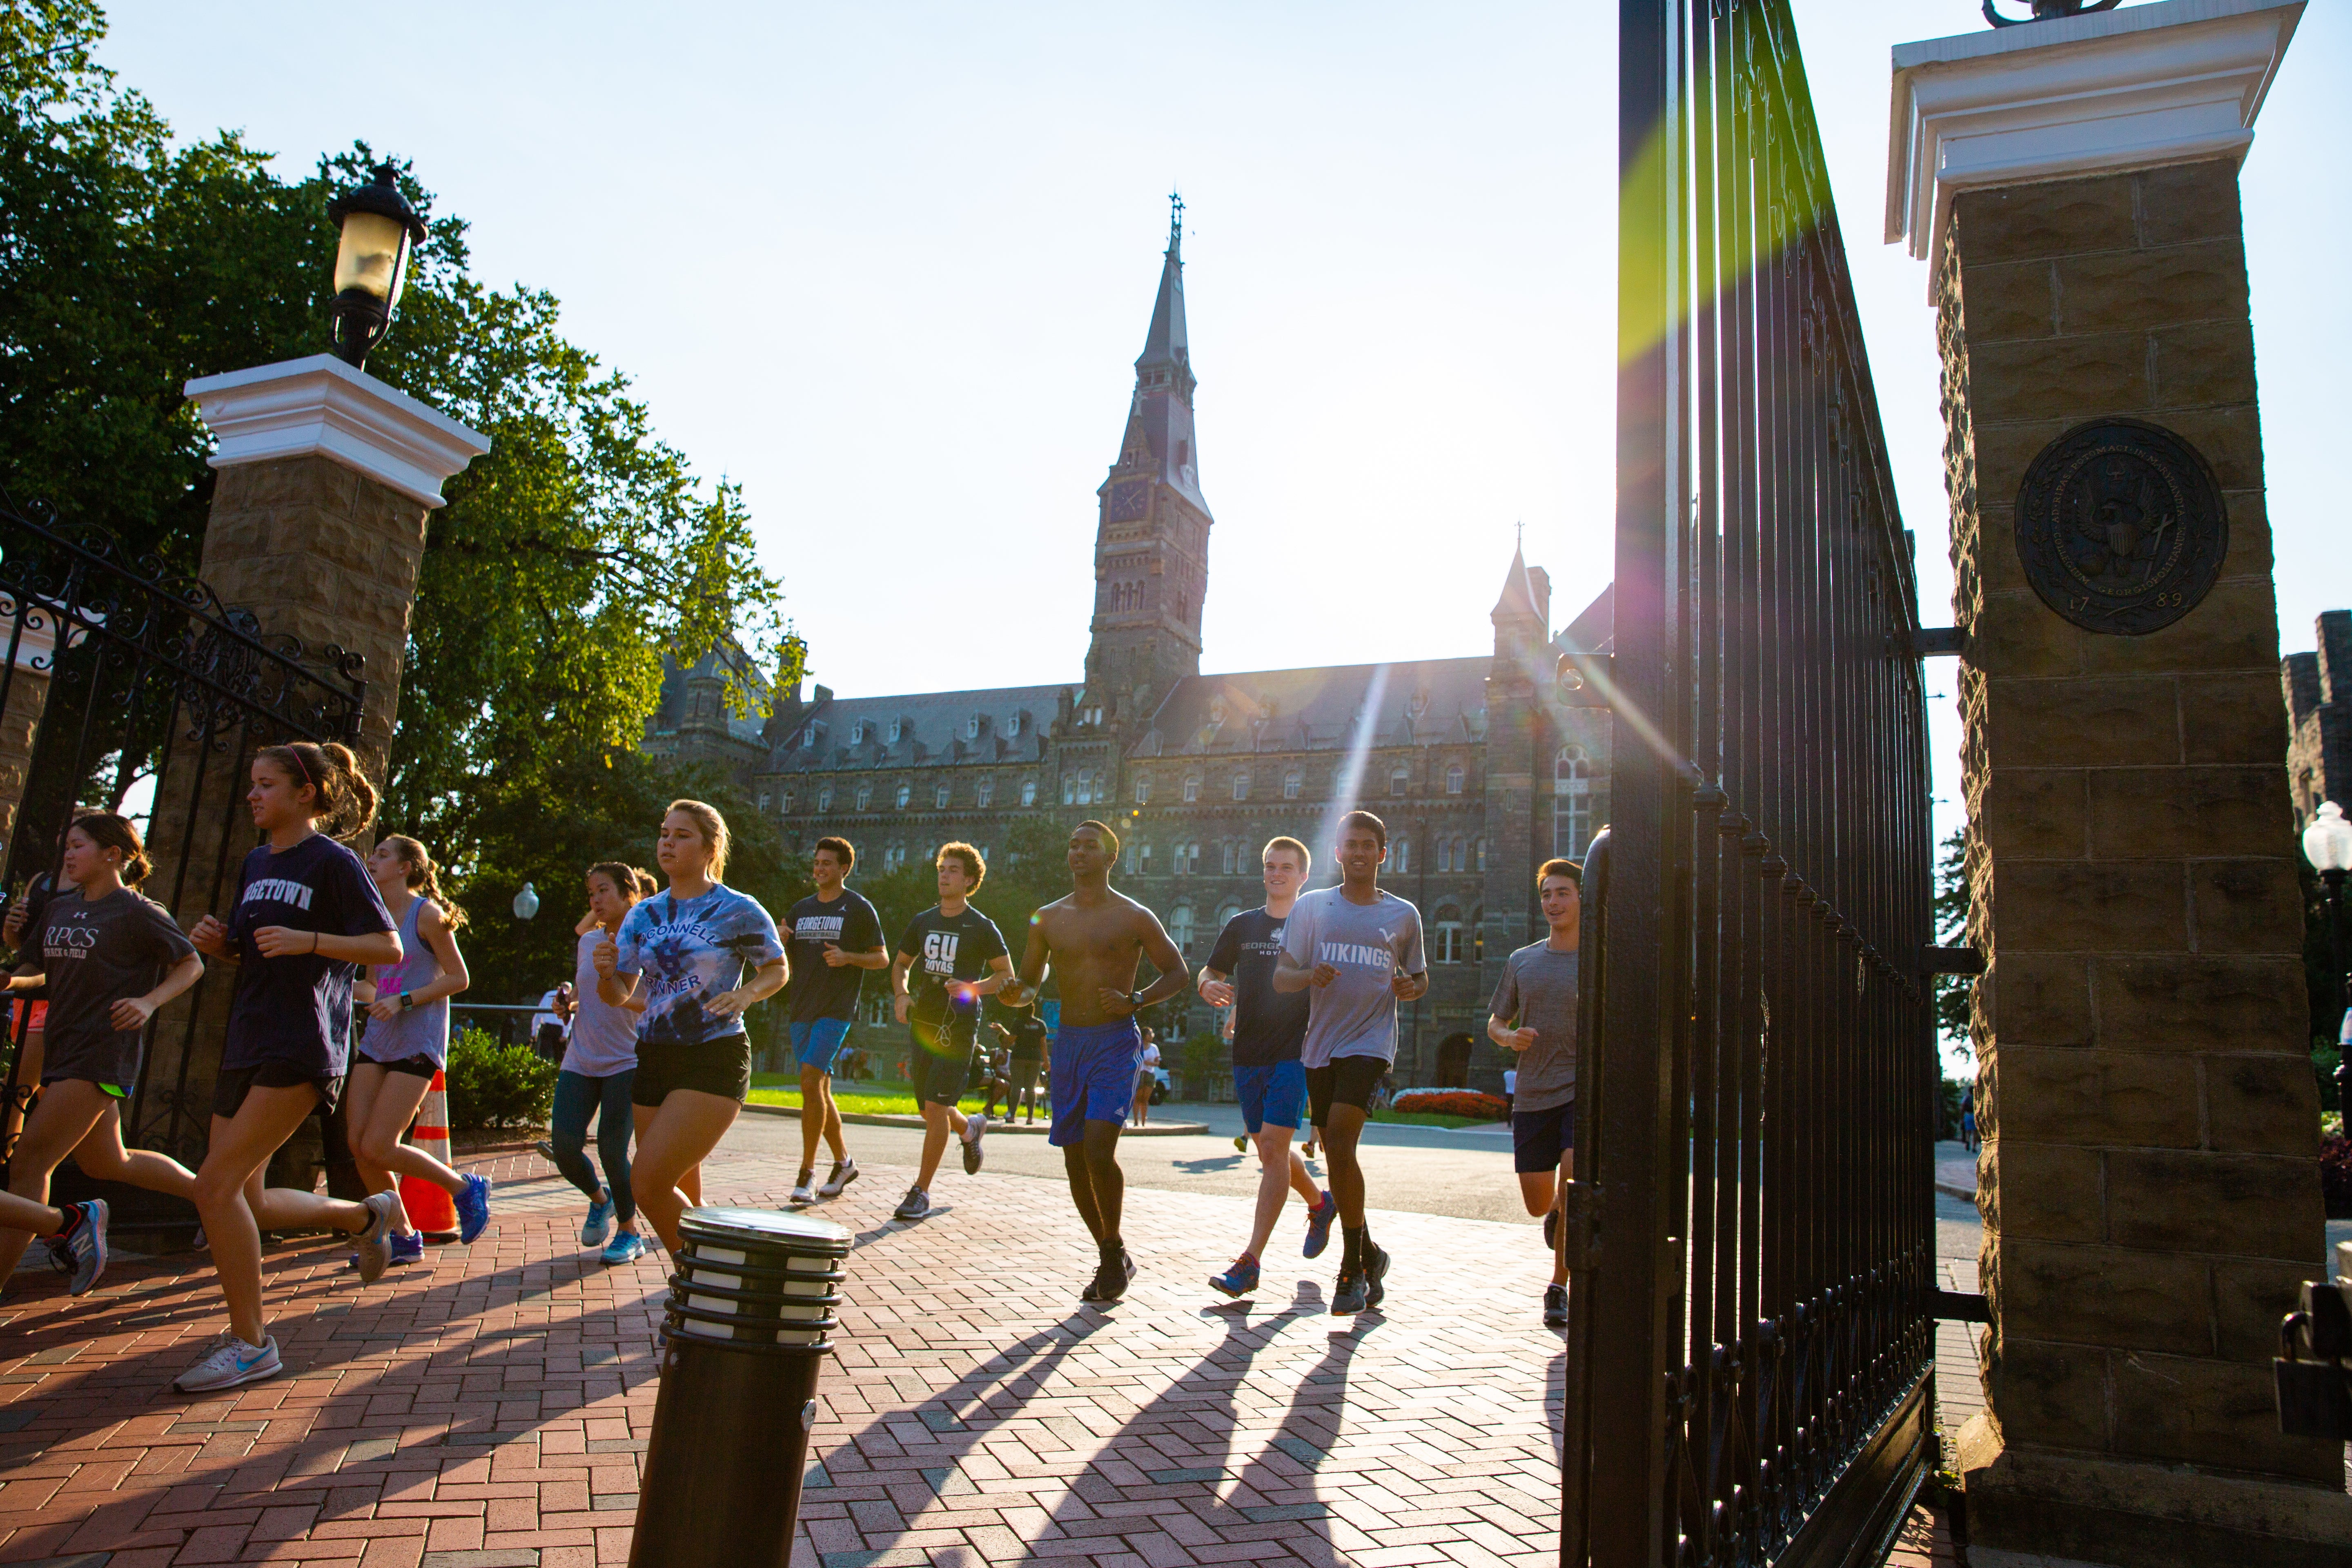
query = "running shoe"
x=1241 y=1279
x=1555 y=1306
x=1111 y=1278
x=472 y=1207
x=625 y=1248
x=973 y=1131
x=1318 y=1225
x=1241 y=1145
x=1376 y=1269
x=61 y=1256
x=87 y=1246
x=375 y=1251
x=914 y=1205
x=229 y=1362
x=599 y=1223
x=546 y=1149
x=1551 y=1230
x=802 y=1192
x=404 y=1249
x=844 y=1172
x=1349 y=1293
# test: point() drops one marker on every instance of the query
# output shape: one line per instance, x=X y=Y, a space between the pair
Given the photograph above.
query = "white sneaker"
x=384 y=1211
x=802 y=1192
x=229 y=1362
x=844 y=1172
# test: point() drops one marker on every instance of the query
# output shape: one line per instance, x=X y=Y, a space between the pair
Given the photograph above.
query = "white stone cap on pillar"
x=2167 y=83
x=321 y=404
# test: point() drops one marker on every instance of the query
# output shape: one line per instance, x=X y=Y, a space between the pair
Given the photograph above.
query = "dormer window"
x=810 y=736
x=1012 y=727
x=1216 y=711
x=971 y=727
x=897 y=728
x=857 y=733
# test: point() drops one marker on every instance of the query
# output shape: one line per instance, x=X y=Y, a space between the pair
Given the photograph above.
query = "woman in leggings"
x=598 y=1066
x=306 y=916
x=408 y=1041
x=110 y=957
x=687 y=948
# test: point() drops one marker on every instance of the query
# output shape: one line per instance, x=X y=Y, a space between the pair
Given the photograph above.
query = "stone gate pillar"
x=2149 y=1179
x=317 y=528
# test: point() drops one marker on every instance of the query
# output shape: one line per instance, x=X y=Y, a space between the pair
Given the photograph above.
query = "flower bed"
x=1454 y=1102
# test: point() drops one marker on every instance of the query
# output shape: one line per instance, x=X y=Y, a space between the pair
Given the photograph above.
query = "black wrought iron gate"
x=1751 y=1338
x=122 y=683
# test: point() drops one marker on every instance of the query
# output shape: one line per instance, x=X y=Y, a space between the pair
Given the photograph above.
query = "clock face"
x=1126 y=501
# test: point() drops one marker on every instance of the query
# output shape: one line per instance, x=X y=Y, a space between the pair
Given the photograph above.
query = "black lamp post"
x=379 y=230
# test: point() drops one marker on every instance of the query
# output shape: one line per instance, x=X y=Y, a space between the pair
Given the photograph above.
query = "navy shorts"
x=1538 y=1137
x=1272 y=1096
x=1093 y=1076
x=940 y=1062
x=818 y=1041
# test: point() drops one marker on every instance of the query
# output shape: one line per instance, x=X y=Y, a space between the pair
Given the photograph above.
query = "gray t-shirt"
x=1355 y=1015
x=92 y=956
x=1538 y=992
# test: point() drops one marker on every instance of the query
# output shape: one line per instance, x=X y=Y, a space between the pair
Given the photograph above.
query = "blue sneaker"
x=400 y=1249
x=472 y=1207
x=625 y=1248
x=1318 y=1224
x=599 y=1223
x=1241 y=1279
x=86 y=1246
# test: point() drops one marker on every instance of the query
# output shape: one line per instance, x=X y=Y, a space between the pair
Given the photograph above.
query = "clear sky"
x=889 y=266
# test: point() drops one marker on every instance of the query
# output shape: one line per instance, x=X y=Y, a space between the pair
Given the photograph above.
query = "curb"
x=1966 y=1195
x=869 y=1118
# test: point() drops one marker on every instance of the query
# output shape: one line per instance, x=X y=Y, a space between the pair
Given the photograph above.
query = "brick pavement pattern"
x=489 y=1407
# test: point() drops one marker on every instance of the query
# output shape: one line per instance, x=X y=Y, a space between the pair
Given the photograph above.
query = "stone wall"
x=2150 y=1187
x=2319 y=718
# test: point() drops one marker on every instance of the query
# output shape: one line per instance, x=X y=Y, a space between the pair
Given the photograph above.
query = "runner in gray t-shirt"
x=1534 y=1014
x=1355 y=951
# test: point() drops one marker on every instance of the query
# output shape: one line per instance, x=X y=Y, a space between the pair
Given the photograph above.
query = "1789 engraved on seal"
x=2121 y=527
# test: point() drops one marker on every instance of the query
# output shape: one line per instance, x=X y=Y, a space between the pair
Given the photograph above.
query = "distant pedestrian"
x=1147 y=1078
x=1969 y=1119
x=1510 y=1089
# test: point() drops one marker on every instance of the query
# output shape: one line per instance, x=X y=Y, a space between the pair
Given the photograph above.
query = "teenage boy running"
x=1268 y=1028
x=1355 y=951
x=1094 y=939
x=836 y=937
x=963 y=958
x=1534 y=1014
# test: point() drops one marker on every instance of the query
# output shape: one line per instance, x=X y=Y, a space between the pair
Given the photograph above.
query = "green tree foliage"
x=1950 y=912
x=565 y=561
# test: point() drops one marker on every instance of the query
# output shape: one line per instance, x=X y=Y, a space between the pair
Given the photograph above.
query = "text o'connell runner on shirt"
x=1370 y=945
x=691 y=950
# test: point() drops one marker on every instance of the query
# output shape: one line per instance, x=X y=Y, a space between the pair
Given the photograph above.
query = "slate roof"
x=1421 y=702
x=933 y=729
x=719 y=663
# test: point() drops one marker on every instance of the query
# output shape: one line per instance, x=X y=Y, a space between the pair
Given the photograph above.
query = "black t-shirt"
x=298 y=1009
x=93 y=955
x=1268 y=1025
x=1028 y=1035
x=819 y=989
x=946 y=949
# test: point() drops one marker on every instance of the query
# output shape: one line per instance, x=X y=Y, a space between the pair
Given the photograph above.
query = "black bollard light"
x=750 y=1307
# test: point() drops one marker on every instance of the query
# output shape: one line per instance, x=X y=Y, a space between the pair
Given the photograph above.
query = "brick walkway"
x=488 y=1409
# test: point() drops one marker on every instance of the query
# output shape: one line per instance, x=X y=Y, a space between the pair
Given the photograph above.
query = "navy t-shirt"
x=951 y=952
x=1268 y=1025
x=819 y=989
x=297 y=1009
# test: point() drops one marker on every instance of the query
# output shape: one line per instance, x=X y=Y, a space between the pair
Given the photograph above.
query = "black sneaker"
x=1376 y=1267
x=1555 y=1306
x=1347 y=1294
x=914 y=1205
x=1111 y=1280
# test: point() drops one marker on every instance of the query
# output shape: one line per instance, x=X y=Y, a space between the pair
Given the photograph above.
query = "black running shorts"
x=230 y=1088
x=720 y=1067
x=1344 y=1080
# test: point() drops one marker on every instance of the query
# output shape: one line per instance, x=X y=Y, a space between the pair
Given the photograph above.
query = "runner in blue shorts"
x=835 y=937
x=1096 y=939
x=1267 y=1027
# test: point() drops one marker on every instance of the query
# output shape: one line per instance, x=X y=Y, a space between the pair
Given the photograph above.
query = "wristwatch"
x=406 y=1001
x=1135 y=1001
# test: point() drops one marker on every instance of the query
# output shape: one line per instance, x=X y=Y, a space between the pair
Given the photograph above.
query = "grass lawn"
x=869 y=1099
x=1425 y=1118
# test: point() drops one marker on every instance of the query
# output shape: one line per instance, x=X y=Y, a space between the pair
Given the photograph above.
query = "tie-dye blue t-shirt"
x=689 y=951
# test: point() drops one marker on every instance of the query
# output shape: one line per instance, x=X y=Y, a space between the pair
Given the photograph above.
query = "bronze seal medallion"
x=2120 y=526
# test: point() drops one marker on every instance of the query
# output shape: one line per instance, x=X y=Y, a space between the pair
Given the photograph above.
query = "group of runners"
x=659 y=1054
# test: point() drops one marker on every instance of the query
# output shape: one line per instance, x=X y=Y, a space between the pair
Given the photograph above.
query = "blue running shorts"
x=818 y=1041
x=1092 y=1076
x=1273 y=1096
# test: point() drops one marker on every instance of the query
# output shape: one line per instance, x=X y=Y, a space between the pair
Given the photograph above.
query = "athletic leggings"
x=577 y=1096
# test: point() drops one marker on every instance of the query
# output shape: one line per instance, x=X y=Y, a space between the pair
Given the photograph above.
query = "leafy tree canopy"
x=562 y=565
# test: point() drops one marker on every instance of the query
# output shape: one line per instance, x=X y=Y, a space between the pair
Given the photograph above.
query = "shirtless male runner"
x=1094 y=939
x=1355 y=951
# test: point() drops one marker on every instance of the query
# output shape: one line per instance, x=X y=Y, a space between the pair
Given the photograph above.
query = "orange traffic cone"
x=430 y=1208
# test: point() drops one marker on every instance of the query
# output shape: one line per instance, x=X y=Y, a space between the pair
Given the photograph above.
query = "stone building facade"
x=2319 y=719
x=1479 y=765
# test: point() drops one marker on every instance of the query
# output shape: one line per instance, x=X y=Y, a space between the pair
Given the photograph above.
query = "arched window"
x=1447 y=936
x=1013 y=726
x=1144 y=789
x=1225 y=914
x=942 y=795
x=985 y=792
x=1028 y=792
x=1070 y=789
x=763 y=800
x=906 y=794
x=897 y=728
x=1571 y=804
x=1401 y=855
x=1229 y=856
x=971 y=727
x=1191 y=788
x=1453 y=779
x=1400 y=780
x=784 y=808
x=1143 y=860
x=1240 y=785
x=1292 y=783
x=865 y=796
x=1482 y=855
x=857 y=733
x=824 y=797
x=1180 y=925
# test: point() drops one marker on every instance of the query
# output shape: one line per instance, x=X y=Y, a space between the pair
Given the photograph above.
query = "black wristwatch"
x=1135 y=1001
x=406 y=1001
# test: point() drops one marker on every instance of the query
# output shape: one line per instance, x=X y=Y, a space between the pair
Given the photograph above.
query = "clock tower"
x=1152 y=539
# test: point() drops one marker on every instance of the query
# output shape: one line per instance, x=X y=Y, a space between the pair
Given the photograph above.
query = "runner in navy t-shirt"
x=832 y=937
x=305 y=918
x=950 y=957
x=1268 y=1027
